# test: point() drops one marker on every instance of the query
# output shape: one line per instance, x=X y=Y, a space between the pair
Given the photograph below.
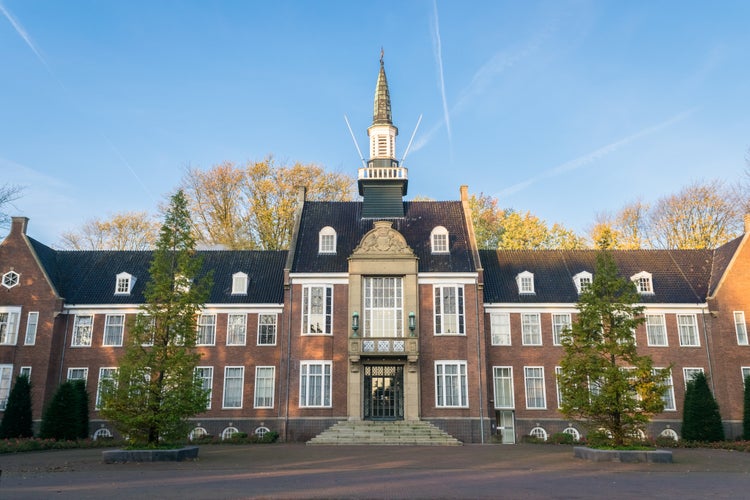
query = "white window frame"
x=265 y=386
x=582 y=281
x=11 y=279
x=268 y=325
x=206 y=376
x=539 y=433
x=440 y=240
x=206 y=334
x=124 y=283
x=456 y=312
x=317 y=323
x=688 y=372
x=502 y=378
x=10 y=318
x=525 y=282
x=500 y=328
x=383 y=306
x=25 y=371
x=238 y=377
x=240 y=282
x=651 y=339
x=105 y=373
x=451 y=389
x=111 y=339
x=327 y=240
x=6 y=381
x=536 y=377
x=237 y=329
x=79 y=337
x=684 y=339
x=560 y=322
x=744 y=371
x=644 y=283
x=668 y=396
x=73 y=370
x=528 y=336
x=31 y=328
x=740 y=327
x=558 y=373
x=323 y=397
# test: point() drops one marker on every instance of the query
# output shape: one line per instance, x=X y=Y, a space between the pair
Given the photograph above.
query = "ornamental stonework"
x=383 y=239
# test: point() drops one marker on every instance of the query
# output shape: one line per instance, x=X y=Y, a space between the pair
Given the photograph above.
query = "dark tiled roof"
x=678 y=276
x=418 y=222
x=722 y=257
x=88 y=277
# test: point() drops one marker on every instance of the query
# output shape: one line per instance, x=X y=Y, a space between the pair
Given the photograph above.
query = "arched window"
x=327 y=240
x=102 y=433
x=197 y=433
x=573 y=432
x=539 y=433
x=439 y=240
x=229 y=432
x=262 y=431
x=669 y=433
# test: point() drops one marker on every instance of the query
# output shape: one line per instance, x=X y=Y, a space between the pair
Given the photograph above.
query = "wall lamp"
x=412 y=322
x=355 y=323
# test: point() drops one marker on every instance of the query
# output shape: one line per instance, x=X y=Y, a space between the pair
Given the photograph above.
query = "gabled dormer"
x=582 y=281
x=643 y=283
x=239 y=283
x=124 y=283
x=382 y=183
x=439 y=240
x=525 y=282
x=327 y=240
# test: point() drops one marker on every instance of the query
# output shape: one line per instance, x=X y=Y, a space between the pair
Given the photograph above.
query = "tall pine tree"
x=701 y=420
x=156 y=391
x=17 y=416
x=605 y=383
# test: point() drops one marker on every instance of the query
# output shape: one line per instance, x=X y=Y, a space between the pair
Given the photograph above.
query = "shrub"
x=701 y=420
x=746 y=414
x=81 y=409
x=59 y=420
x=562 y=438
x=17 y=416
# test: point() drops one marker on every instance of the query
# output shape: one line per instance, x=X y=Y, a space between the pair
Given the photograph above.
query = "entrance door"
x=383 y=392
x=506 y=426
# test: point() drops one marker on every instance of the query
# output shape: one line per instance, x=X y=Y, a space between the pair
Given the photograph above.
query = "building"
x=382 y=309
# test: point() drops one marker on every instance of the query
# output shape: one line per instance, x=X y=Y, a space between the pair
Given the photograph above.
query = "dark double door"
x=384 y=392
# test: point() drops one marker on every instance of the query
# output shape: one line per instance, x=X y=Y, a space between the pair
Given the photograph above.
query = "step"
x=367 y=432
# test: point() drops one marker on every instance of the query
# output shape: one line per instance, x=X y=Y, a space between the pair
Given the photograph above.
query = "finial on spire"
x=382 y=53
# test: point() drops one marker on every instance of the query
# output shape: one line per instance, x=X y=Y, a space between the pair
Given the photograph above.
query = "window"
x=450 y=384
x=538 y=433
x=688 y=329
x=582 y=281
x=267 y=329
x=449 y=309
x=239 y=284
x=9 y=325
x=383 y=307
x=560 y=323
x=31 y=325
x=558 y=373
x=525 y=282
x=740 y=327
x=197 y=433
x=124 y=284
x=25 y=372
x=500 y=328
x=113 y=328
x=439 y=240
x=656 y=330
x=10 y=279
x=264 y=386
x=105 y=374
x=315 y=383
x=82 y=329
x=229 y=432
x=206 y=375
x=234 y=384
x=745 y=373
x=236 y=329
x=573 y=432
x=689 y=373
x=317 y=308
x=102 y=433
x=531 y=329
x=327 y=240
x=668 y=396
x=643 y=283
x=78 y=374
x=534 y=380
x=669 y=433
x=206 y=329
x=503 y=376
x=6 y=374
x=262 y=431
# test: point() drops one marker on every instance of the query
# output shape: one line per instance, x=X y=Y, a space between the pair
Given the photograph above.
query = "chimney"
x=464 y=192
x=19 y=224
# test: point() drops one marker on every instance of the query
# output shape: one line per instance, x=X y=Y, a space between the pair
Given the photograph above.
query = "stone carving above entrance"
x=383 y=239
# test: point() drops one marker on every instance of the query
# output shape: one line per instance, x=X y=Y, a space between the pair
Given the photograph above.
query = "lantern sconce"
x=355 y=323
x=412 y=322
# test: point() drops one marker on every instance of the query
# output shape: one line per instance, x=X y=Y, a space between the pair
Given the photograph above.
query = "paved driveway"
x=298 y=471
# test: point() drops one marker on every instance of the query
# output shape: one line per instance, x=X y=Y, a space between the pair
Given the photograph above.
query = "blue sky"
x=566 y=109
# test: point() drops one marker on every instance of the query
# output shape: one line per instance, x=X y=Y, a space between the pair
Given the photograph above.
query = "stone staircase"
x=399 y=432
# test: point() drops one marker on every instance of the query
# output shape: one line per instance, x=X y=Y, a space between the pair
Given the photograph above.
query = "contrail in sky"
x=26 y=38
x=439 y=57
x=591 y=157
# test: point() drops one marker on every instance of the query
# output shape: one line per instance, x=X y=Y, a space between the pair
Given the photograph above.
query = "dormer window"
x=439 y=240
x=10 y=279
x=643 y=283
x=239 y=284
x=582 y=281
x=525 y=281
x=124 y=284
x=327 y=240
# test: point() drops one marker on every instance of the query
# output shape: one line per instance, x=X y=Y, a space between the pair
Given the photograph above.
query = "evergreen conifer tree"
x=59 y=419
x=701 y=420
x=17 y=416
x=82 y=408
x=746 y=414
